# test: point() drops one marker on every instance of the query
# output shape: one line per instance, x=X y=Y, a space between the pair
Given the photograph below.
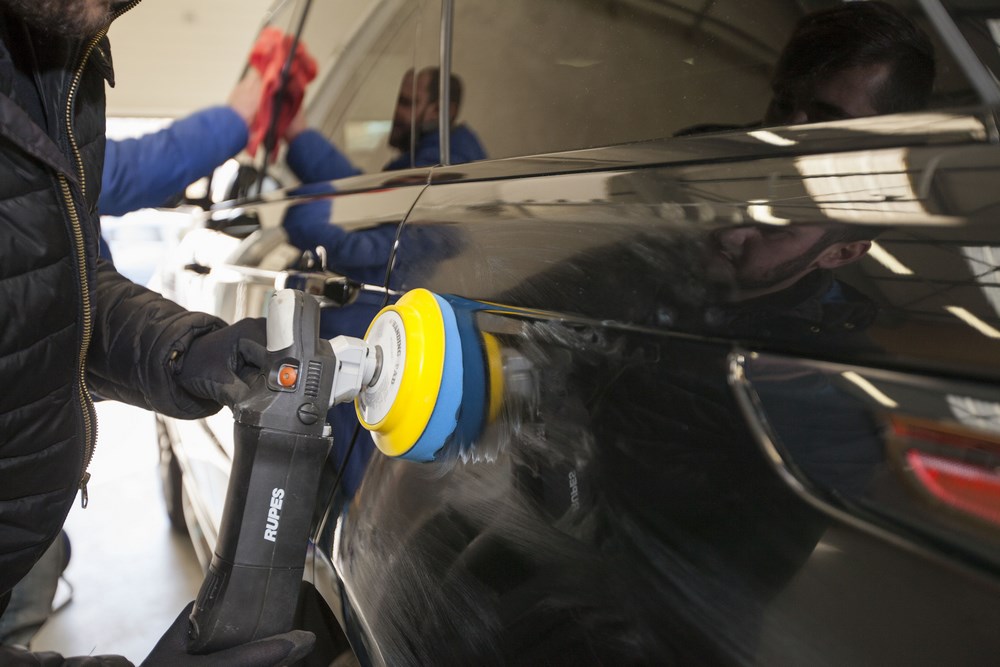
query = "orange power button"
x=287 y=375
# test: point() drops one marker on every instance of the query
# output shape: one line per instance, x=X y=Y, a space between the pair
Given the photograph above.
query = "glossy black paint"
x=631 y=246
x=681 y=470
x=626 y=515
x=623 y=510
x=621 y=507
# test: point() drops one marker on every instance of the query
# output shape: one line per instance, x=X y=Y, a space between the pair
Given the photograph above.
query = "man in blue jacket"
x=313 y=158
x=145 y=172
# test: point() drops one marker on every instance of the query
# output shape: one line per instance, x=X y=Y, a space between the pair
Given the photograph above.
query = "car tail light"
x=968 y=488
x=958 y=468
x=912 y=454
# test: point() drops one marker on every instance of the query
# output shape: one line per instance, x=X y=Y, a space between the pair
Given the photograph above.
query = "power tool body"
x=408 y=379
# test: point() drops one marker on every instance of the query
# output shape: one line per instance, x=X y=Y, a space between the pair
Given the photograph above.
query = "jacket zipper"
x=86 y=402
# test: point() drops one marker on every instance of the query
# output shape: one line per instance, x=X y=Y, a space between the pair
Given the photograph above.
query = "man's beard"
x=780 y=273
x=399 y=137
x=68 y=18
x=403 y=136
x=732 y=278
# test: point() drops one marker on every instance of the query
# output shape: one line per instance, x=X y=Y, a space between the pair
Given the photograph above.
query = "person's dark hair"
x=435 y=86
x=862 y=33
x=66 y=18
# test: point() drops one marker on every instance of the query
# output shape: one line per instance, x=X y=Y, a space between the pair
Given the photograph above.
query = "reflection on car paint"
x=891 y=448
x=579 y=481
x=616 y=506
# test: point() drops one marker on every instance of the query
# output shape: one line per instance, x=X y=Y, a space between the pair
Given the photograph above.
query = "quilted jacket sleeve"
x=138 y=334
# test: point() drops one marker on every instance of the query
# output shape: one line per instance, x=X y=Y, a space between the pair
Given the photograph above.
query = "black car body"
x=689 y=466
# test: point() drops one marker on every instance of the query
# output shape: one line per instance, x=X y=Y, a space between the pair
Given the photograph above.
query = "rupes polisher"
x=422 y=379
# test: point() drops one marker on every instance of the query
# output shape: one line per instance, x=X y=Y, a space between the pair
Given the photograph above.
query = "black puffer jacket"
x=69 y=320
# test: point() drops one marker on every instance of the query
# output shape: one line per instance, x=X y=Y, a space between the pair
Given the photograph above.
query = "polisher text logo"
x=398 y=335
x=574 y=491
x=274 y=515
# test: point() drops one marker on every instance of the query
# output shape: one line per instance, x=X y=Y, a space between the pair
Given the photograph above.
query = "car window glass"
x=548 y=75
x=269 y=55
x=979 y=23
x=363 y=76
x=239 y=179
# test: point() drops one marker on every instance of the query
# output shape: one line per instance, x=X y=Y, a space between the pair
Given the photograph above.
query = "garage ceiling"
x=172 y=57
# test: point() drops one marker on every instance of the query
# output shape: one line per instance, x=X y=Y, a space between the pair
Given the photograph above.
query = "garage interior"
x=131 y=574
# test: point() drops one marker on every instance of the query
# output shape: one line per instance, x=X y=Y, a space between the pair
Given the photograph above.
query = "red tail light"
x=965 y=487
x=957 y=467
x=927 y=468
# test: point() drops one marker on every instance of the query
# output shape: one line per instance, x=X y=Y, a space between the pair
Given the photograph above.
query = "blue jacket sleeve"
x=147 y=171
x=313 y=158
x=361 y=254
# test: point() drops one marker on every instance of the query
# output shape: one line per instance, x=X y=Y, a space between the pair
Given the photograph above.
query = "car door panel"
x=621 y=489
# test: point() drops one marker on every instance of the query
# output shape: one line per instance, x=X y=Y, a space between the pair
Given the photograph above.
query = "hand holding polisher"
x=409 y=378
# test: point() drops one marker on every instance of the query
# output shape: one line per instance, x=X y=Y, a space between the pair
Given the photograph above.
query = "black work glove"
x=221 y=365
x=13 y=656
x=284 y=649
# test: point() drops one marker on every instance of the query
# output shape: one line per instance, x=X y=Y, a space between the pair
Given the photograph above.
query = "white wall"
x=172 y=57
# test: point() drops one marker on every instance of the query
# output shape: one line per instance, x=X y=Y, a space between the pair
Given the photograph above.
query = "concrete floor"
x=130 y=574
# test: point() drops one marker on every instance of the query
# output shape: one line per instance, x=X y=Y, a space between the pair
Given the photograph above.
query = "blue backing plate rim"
x=444 y=417
x=472 y=416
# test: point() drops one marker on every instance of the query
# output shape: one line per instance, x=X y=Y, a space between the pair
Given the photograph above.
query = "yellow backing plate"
x=420 y=382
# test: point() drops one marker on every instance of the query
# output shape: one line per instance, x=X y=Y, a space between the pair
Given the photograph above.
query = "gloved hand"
x=284 y=649
x=14 y=656
x=221 y=365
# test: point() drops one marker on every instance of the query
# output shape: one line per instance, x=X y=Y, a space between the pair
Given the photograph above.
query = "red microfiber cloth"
x=268 y=57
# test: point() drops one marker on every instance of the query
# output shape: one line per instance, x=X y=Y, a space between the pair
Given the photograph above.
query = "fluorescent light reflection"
x=873 y=186
x=984 y=262
x=771 y=138
x=994 y=26
x=917 y=123
x=973 y=321
x=869 y=389
x=883 y=257
x=760 y=212
x=976 y=413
